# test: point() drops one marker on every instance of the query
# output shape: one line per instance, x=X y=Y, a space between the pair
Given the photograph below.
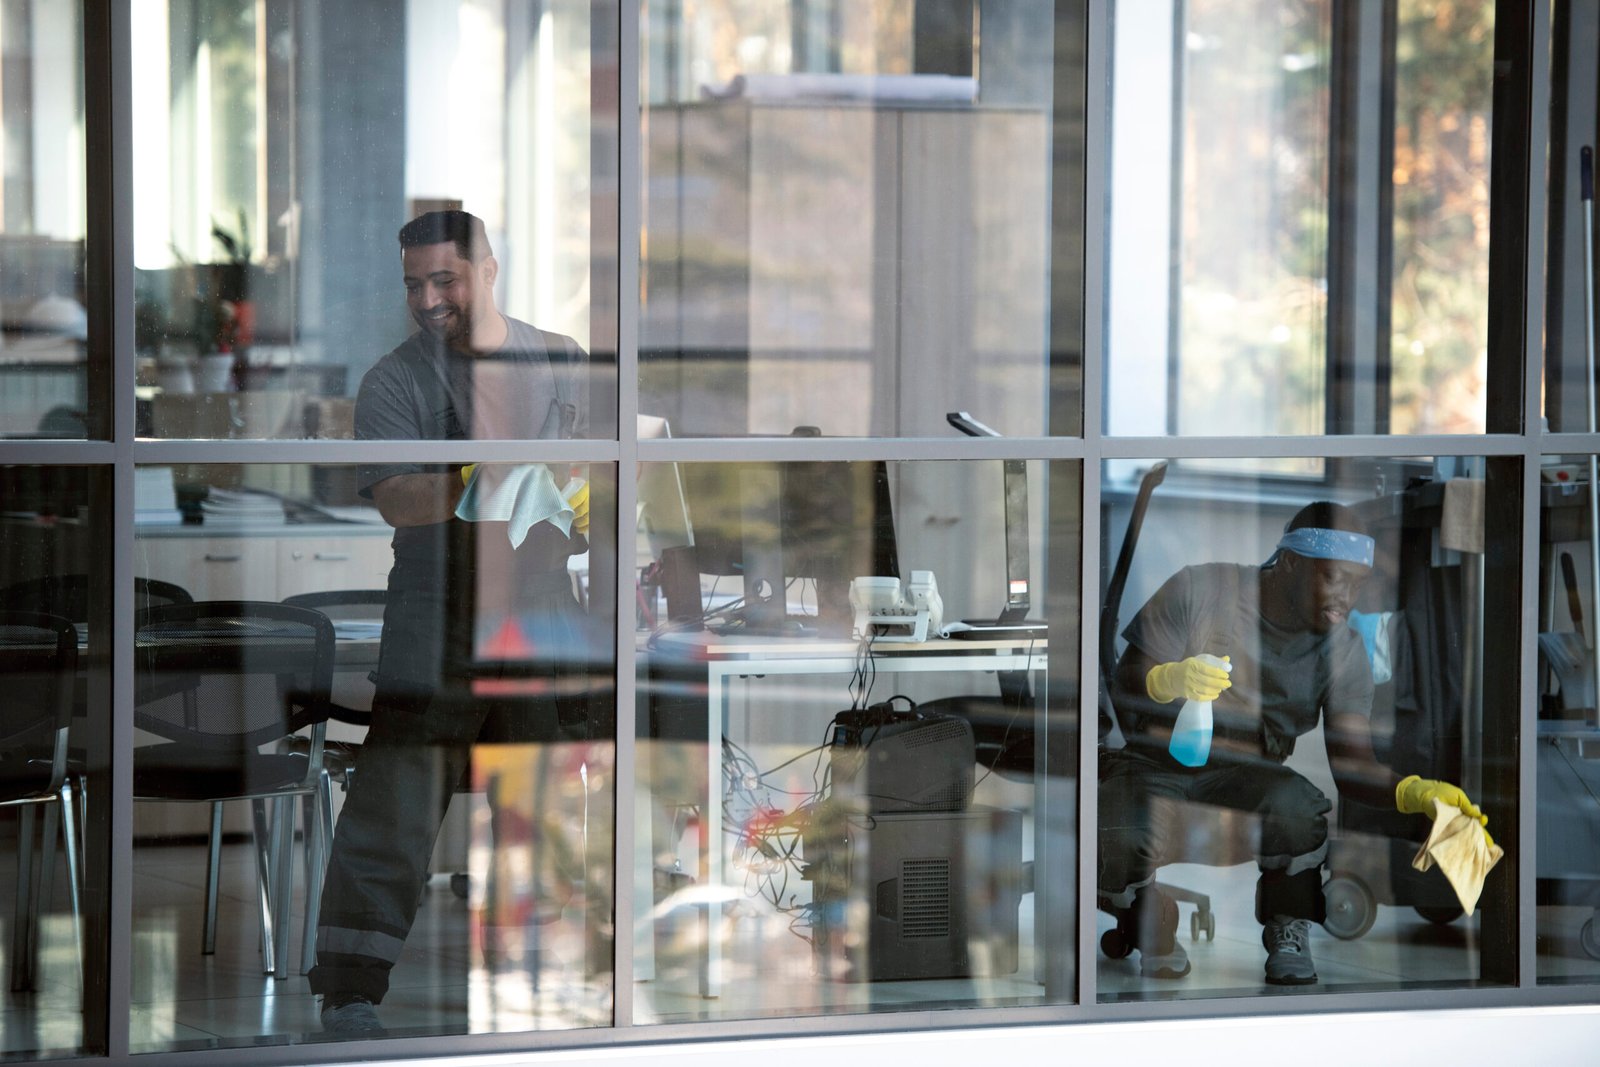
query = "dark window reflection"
x=1568 y=745
x=54 y=595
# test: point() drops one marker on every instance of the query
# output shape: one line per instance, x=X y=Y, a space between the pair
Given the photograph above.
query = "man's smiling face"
x=448 y=294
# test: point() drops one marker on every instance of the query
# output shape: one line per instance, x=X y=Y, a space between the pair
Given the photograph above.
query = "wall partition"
x=549 y=524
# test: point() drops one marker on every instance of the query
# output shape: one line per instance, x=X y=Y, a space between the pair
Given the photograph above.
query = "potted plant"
x=234 y=310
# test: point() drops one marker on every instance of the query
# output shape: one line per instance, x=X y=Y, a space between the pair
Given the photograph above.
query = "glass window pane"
x=873 y=750
x=45 y=384
x=1259 y=823
x=847 y=217
x=1568 y=746
x=271 y=180
x=1444 y=67
x=1219 y=295
x=55 y=598
x=1299 y=219
x=471 y=681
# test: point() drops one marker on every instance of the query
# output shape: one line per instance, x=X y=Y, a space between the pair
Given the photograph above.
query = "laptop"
x=1012 y=622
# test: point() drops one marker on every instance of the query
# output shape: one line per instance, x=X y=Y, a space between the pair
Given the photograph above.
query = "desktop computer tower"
x=915 y=894
x=883 y=759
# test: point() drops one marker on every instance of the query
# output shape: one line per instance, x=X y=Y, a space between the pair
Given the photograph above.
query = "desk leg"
x=711 y=827
x=1055 y=819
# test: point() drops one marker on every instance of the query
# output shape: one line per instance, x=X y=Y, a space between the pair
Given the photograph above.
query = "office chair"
x=39 y=662
x=351 y=700
x=219 y=680
x=67 y=595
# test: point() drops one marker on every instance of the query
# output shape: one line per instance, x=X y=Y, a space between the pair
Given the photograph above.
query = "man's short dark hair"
x=1326 y=515
x=461 y=228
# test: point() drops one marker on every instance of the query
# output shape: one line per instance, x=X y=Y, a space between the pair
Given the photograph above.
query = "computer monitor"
x=663 y=519
x=1015 y=505
x=778 y=524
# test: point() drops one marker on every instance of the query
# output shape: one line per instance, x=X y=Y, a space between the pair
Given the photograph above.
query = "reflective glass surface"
x=1298 y=230
x=279 y=149
x=1262 y=825
x=847 y=225
x=1444 y=68
x=45 y=381
x=454 y=681
x=858 y=738
x=1568 y=742
x=54 y=601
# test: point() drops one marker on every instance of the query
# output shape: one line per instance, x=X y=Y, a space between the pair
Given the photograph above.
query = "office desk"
x=728 y=657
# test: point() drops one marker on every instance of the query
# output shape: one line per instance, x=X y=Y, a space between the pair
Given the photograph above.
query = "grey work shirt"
x=529 y=389
x=1283 y=680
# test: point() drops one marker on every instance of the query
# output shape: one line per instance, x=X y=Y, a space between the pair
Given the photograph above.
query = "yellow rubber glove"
x=578 y=500
x=1191 y=679
x=467 y=472
x=1415 y=795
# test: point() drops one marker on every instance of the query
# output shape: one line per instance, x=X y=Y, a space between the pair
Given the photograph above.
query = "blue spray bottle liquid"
x=1190 y=744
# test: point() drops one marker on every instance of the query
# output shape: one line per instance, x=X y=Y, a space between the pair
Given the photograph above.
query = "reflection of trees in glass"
x=1253 y=217
x=1443 y=85
x=716 y=39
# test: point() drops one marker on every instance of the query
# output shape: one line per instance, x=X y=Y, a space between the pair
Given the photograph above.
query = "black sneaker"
x=352 y=1015
x=1288 y=945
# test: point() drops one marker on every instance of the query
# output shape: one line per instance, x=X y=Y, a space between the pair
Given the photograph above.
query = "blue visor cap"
x=1314 y=542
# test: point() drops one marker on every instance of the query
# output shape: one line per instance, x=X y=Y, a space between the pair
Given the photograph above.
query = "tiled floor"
x=182 y=999
x=1400 y=948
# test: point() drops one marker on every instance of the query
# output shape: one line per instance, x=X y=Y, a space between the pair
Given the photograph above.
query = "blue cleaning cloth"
x=521 y=497
x=1374 y=631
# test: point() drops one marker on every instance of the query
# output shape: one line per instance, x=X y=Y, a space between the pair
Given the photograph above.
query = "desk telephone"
x=886 y=609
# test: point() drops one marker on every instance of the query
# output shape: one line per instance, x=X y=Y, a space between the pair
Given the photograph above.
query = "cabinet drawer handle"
x=331 y=557
x=222 y=557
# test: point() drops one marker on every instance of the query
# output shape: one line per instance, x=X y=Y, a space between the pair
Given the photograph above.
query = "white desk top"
x=704 y=644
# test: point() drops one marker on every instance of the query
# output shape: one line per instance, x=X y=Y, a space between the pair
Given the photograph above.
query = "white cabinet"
x=210 y=568
x=318 y=564
x=266 y=566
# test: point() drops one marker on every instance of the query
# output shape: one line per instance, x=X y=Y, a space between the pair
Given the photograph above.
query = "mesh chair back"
x=67 y=595
x=231 y=675
x=39 y=663
x=344 y=605
x=356 y=613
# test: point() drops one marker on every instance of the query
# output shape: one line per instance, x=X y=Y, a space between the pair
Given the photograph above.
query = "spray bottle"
x=1190 y=744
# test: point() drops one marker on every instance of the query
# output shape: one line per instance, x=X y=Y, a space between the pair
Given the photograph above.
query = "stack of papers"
x=235 y=508
x=155 y=498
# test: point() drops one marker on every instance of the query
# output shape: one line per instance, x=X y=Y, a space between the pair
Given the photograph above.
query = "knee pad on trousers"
x=1299 y=896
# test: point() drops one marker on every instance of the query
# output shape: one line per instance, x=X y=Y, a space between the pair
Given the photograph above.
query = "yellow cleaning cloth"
x=1458 y=845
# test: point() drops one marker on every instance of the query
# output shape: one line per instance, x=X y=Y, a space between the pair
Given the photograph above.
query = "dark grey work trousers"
x=1148 y=804
x=413 y=759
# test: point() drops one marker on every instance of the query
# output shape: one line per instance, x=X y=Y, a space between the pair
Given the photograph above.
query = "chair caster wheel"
x=1202 y=922
x=460 y=884
x=1352 y=908
x=1589 y=938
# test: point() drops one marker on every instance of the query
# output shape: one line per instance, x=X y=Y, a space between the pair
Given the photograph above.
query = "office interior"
x=916 y=291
